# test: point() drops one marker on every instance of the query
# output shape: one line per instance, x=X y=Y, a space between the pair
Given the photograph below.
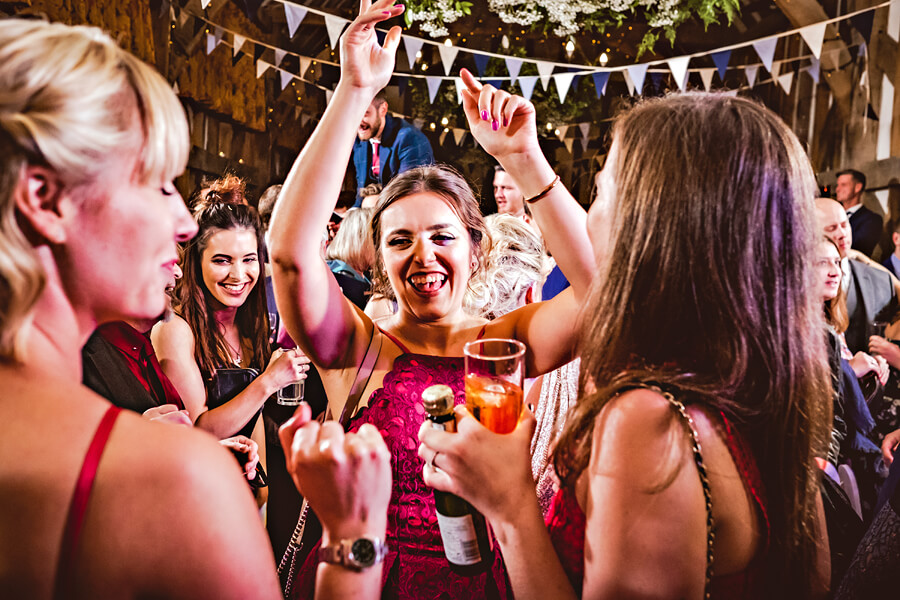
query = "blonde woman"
x=95 y=502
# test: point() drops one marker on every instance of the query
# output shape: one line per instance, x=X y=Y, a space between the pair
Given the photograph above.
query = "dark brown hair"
x=447 y=183
x=707 y=292
x=193 y=301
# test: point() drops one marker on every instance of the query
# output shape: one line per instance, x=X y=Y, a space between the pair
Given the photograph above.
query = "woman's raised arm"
x=315 y=313
x=504 y=125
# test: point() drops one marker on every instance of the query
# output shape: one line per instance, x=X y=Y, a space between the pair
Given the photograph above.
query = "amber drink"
x=494 y=374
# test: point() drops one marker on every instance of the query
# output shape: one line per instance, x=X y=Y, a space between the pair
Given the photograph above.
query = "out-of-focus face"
x=834 y=223
x=828 y=270
x=230 y=266
x=372 y=122
x=509 y=199
x=847 y=190
x=427 y=255
x=120 y=251
x=602 y=210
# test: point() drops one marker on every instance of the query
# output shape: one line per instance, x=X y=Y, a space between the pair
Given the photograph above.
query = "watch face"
x=362 y=552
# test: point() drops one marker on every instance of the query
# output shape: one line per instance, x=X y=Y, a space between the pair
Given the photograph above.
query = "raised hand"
x=364 y=63
x=502 y=123
x=345 y=477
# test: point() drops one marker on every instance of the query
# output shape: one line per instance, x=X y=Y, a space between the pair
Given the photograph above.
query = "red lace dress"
x=566 y=524
x=415 y=567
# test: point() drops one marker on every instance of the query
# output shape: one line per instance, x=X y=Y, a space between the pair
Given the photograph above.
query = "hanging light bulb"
x=504 y=41
x=445 y=121
x=604 y=59
x=549 y=126
x=418 y=55
x=448 y=43
x=570 y=48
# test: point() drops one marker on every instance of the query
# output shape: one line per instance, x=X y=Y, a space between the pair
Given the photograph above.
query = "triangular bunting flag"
x=656 y=80
x=526 y=84
x=584 y=144
x=442 y=137
x=814 y=35
x=334 y=25
x=563 y=83
x=261 y=67
x=182 y=18
x=766 y=51
x=238 y=44
x=412 y=45
x=204 y=4
x=304 y=65
x=628 y=82
x=175 y=88
x=585 y=129
x=328 y=95
x=720 y=59
x=297 y=111
x=679 y=66
x=750 y=71
x=258 y=50
x=861 y=51
x=458 y=82
x=563 y=130
x=601 y=78
x=210 y=43
x=545 y=69
x=568 y=142
x=433 y=84
x=706 y=76
x=637 y=74
x=815 y=68
x=497 y=83
x=481 y=62
x=448 y=55
x=294 y=15
x=285 y=78
x=513 y=65
x=236 y=58
x=776 y=69
x=785 y=81
x=870 y=112
x=459 y=135
x=863 y=23
x=279 y=56
x=218 y=33
x=304 y=119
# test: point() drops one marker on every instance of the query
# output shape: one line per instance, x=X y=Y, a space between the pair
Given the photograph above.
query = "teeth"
x=233 y=286
x=424 y=279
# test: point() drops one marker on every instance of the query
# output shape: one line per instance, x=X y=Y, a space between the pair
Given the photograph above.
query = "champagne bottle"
x=467 y=545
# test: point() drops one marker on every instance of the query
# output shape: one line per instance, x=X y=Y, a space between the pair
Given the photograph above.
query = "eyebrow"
x=228 y=256
x=435 y=227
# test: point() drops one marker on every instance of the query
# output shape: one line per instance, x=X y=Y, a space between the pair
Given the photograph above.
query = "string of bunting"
x=634 y=75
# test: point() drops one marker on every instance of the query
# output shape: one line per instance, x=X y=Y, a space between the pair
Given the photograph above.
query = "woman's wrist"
x=348 y=530
x=530 y=170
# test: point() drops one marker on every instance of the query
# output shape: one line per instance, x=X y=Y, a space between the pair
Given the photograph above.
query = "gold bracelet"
x=543 y=192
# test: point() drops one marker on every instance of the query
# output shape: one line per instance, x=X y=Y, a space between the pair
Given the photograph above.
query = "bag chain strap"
x=704 y=482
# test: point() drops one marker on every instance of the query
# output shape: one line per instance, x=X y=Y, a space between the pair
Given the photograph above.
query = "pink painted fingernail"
x=385 y=12
x=495 y=125
x=484 y=115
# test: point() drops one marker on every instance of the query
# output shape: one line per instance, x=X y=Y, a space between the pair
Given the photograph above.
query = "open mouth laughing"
x=427 y=283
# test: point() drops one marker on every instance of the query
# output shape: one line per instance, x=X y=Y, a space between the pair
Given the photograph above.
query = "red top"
x=141 y=360
x=566 y=523
x=65 y=574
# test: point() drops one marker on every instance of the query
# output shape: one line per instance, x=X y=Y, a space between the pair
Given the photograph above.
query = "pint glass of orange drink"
x=494 y=372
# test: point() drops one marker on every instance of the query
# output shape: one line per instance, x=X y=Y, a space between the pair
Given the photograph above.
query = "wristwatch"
x=358 y=554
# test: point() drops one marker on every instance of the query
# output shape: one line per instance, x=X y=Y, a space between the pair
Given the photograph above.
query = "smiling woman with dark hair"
x=221 y=322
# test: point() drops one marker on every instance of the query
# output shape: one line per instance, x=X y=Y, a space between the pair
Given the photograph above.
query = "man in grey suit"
x=871 y=295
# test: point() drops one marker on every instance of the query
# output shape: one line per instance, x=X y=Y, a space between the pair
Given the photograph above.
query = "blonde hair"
x=353 y=242
x=67 y=100
x=516 y=261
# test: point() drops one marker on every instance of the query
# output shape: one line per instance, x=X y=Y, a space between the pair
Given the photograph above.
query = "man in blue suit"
x=386 y=146
x=866 y=225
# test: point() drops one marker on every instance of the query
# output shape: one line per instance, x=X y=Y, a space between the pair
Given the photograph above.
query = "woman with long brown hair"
x=221 y=322
x=688 y=465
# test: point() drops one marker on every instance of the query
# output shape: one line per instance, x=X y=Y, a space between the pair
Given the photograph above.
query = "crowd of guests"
x=712 y=389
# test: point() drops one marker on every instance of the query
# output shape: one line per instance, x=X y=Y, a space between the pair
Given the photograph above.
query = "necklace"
x=234 y=355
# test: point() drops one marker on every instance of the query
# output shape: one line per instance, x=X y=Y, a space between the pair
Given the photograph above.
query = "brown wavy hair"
x=193 y=301
x=449 y=184
x=708 y=291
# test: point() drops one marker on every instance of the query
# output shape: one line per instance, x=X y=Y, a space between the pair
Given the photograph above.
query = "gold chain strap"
x=701 y=469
